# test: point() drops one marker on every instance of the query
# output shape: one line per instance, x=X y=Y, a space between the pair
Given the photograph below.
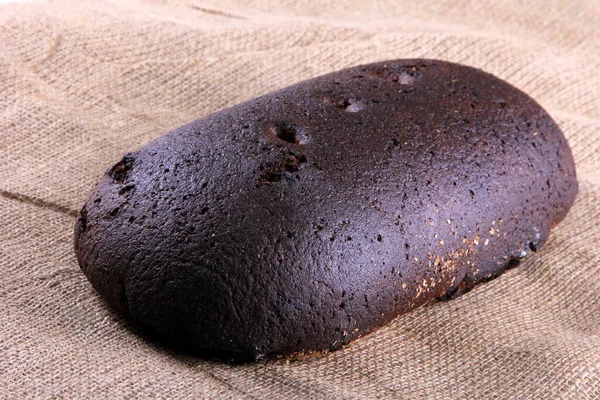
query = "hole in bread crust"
x=400 y=74
x=349 y=104
x=512 y=263
x=287 y=133
x=126 y=189
x=121 y=169
x=274 y=172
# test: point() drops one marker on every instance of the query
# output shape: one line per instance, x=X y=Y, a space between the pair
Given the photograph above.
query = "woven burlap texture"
x=83 y=82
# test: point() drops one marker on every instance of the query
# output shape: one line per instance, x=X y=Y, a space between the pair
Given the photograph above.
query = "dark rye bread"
x=303 y=219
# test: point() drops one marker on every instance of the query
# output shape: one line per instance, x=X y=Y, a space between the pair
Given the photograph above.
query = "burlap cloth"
x=83 y=82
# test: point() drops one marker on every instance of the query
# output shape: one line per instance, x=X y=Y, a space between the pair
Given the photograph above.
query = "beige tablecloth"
x=82 y=82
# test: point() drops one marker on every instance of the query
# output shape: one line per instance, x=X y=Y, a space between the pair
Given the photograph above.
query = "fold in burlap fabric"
x=82 y=83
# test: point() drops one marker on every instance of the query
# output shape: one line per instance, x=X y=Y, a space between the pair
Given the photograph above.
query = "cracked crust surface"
x=303 y=219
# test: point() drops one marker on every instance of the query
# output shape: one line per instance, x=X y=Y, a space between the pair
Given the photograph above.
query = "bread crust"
x=305 y=218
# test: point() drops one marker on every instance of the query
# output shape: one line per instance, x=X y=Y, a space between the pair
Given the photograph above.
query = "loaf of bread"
x=305 y=218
